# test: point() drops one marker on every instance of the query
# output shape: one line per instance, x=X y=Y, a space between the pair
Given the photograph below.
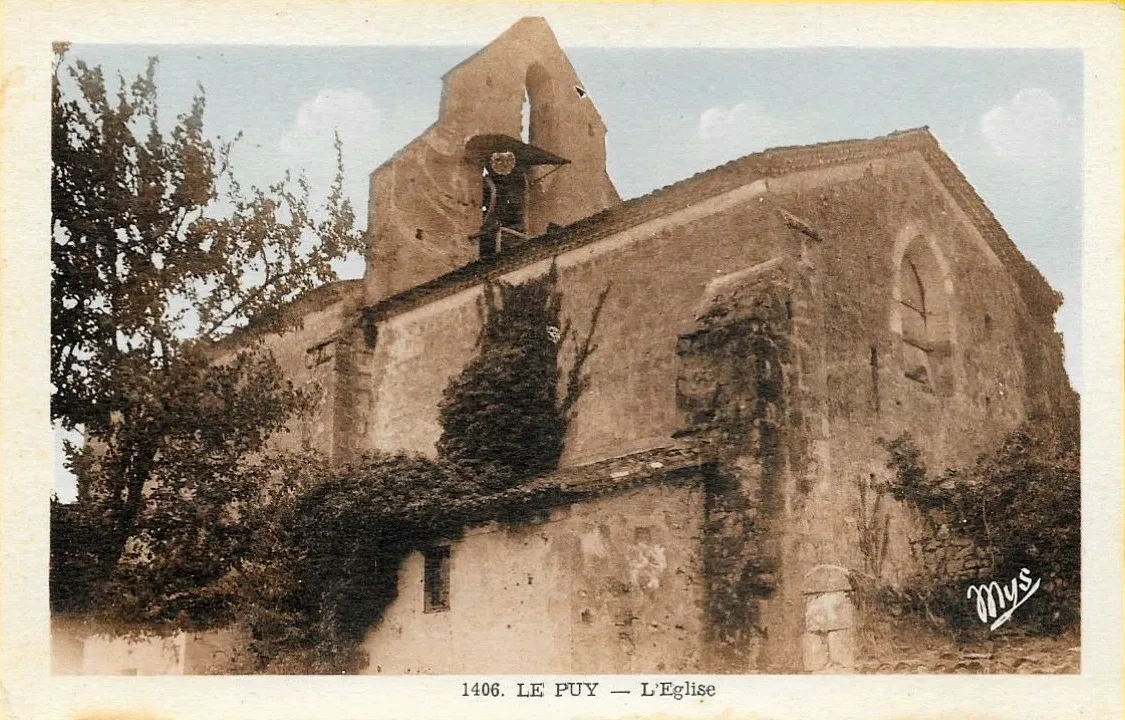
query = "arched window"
x=921 y=315
x=917 y=345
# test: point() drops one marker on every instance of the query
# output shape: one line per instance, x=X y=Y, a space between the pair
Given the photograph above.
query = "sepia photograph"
x=566 y=365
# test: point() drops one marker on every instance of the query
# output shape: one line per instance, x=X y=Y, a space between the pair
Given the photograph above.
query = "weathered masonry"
x=766 y=323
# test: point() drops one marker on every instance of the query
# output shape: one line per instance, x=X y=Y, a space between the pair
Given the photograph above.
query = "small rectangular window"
x=436 y=582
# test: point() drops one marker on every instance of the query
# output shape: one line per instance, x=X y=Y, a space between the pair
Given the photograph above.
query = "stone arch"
x=922 y=312
x=540 y=115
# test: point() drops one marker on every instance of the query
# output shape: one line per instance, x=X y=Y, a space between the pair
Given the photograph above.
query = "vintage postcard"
x=612 y=360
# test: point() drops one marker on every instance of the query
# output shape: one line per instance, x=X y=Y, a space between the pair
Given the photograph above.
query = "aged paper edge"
x=27 y=690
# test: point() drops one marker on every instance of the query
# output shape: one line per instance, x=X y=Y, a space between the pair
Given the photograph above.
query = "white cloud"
x=308 y=140
x=1032 y=127
x=747 y=126
x=745 y=118
x=350 y=112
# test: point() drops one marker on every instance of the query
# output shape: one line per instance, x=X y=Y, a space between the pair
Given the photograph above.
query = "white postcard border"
x=27 y=689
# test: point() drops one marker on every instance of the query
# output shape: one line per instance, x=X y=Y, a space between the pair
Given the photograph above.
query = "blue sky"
x=1011 y=119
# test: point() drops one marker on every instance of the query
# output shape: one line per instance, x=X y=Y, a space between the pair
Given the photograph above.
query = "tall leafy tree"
x=157 y=251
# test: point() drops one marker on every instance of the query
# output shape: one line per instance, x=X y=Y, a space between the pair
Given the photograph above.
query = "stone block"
x=826 y=578
x=814 y=650
x=829 y=611
x=841 y=648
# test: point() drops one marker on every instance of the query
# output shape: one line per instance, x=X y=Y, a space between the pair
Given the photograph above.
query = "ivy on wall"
x=503 y=410
x=731 y=389
x=328 y=560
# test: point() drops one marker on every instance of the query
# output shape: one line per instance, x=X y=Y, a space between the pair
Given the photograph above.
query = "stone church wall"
x=828 y=245
x=612 y=585
x=657 y=286
x=414 y=357
x=656 y=283
x=855 y=389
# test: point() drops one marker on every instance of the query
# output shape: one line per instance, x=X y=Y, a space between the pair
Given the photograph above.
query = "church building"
x=762 y=327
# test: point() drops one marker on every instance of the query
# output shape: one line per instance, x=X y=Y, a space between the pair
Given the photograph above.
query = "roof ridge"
x=556 y=239
x=820 y=147
x=770 y=162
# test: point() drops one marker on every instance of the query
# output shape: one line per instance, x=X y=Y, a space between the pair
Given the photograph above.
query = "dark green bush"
x=327 y=565
x=1021 y=502
x=83 y=554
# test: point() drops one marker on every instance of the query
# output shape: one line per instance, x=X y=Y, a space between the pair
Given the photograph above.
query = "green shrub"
x=1021 y=502
x=327 y=565
x=83 y=554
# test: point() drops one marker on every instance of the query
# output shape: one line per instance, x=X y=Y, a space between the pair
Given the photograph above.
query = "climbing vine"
x=328 y=560
x=503 y=410
x=874 y=528
x=730 y=388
